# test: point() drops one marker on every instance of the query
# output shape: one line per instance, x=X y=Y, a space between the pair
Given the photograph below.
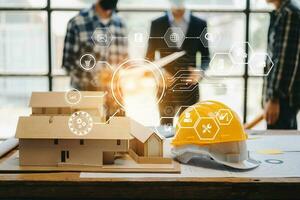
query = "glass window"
x=23 y=44
x=260 y=5
x=59 y=27
x=23 y=3
x=230 y=29
x=72 y=3
x=229 y=91
x=254 y=105
x=154 y=4
x=259 y=24
x=139 y=21
x=61 y=83
x=14 y=99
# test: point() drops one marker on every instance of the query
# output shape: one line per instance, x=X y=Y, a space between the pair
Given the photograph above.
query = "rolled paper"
x=7 y=145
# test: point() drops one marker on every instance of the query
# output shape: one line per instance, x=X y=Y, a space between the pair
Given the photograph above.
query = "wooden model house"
x=147 y=145
x=45 y=137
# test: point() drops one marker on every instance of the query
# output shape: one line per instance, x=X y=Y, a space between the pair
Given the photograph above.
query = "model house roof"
x=141 y=132
x=58 y=100
x=46 y=127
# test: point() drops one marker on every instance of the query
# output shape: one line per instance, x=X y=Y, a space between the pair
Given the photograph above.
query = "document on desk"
x=8 y=145
x=286 y=163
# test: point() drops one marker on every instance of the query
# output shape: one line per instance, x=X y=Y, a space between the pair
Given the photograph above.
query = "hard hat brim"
x=245 y=164
x=186 y=153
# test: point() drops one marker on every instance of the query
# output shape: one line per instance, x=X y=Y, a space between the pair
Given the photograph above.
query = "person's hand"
x=194 y=76
x=272 y=109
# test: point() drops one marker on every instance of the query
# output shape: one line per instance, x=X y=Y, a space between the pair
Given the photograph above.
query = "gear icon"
x=80 y=123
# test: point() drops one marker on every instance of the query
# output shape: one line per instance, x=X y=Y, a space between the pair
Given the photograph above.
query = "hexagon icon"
x=209 y=38
x=189 y=118
x=174 y=37
x=238 y=53
x=221 y=64
x=138 y=36
x=260 y=64
x=207 y=128
x=224 y=116
x=102 y=37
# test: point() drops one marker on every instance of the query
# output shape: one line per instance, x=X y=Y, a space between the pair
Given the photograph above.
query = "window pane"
x=229 y=91
x=139 y=21
x=254 y=106
x=59 y=28
x=155 y=4
x=259 y=24
x=61 y=83
x=23 y=44
x=72 y=3
x=23 y=3
x=260 y=4
x=14 y=100
x=230 y=28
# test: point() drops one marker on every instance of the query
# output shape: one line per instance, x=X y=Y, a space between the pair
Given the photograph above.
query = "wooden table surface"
x=67 y=185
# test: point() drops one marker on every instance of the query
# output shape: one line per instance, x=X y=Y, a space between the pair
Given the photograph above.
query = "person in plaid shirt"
x=282 y=85
x=78 y=42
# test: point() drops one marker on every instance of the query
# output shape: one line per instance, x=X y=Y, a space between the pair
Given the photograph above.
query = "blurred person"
x=282 y=85
x=78 y=42
x=179 y=17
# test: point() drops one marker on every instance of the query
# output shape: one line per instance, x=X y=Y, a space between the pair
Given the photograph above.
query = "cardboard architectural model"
x=60 y=134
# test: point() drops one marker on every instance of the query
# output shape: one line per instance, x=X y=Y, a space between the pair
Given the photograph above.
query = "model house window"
x=118 y=142
x=81 y=142
x=64 y=155
x=56 y=141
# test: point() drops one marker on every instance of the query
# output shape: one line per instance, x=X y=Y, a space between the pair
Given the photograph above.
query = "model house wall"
x=53 y=152
x=45 y=139
x=54 y=103
x=152 y=147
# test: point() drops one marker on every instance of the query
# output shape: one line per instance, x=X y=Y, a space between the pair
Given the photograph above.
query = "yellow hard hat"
x=211 y=128
x=208 y=122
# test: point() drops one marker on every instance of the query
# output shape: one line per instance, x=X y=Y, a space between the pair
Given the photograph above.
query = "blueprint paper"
x=288 y=162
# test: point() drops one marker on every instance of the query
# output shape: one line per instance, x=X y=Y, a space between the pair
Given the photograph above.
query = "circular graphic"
x=209 y=36
x=274 y=161
x=135 y=76
x=73 y=96
x=80 y=123
x=87 y=62
x=169 y=110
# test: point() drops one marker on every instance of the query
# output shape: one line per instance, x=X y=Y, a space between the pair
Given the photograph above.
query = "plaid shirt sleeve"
x=71 y=47
x=285 y=56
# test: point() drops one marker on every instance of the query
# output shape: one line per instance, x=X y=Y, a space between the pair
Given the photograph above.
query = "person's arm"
x=204 y=50
x=71 y=47
x=285 y=57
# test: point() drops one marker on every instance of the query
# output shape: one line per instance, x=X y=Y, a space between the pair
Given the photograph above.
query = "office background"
x=32 y=34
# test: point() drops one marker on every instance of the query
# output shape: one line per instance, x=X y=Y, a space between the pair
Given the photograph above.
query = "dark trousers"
x=175 y=102
x=287 y=117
